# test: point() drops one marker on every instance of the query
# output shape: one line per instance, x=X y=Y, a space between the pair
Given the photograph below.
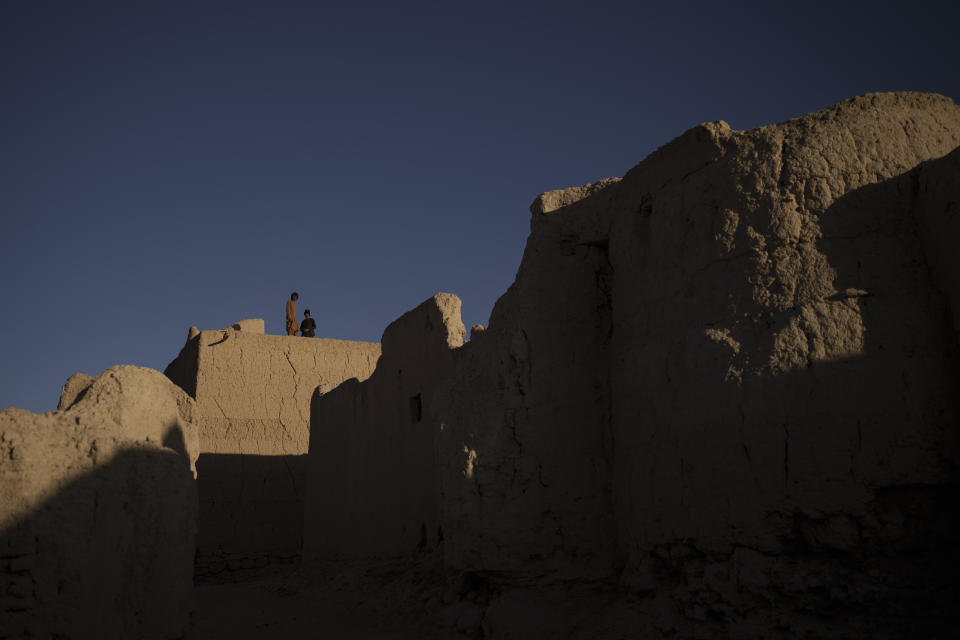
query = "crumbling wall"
x=526 y=450
x=737 y=360
x=794 y=374
x=98 y=511
x=372 y=483
x=253 y=395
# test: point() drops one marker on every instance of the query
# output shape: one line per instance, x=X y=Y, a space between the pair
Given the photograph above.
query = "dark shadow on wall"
x=845 y=536
x=182 y=371
x=900 y=405
x=372 y=475
x=839 y=479
x=938 y=217
x=251 y=515
x=820 y=502
x=251 y=506
x=109 y=556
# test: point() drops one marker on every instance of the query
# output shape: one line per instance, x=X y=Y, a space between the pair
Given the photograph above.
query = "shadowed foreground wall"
x=98 y=511
x=729 y=382
x=372 y=484
x=938 y=213
x=252 y=395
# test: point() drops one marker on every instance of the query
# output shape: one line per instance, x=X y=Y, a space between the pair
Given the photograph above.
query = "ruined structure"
x=719 y=400
x=729 y=382
x=253 y=395
x=724 y=386
x=372 y=482
x=98 y=511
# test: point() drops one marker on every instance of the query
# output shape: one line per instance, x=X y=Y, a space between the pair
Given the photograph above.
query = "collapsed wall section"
x=253 y=395
x=98 y=511
x=372 y=484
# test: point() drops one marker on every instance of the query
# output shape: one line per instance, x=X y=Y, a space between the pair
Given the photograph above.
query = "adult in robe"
x=292 y=324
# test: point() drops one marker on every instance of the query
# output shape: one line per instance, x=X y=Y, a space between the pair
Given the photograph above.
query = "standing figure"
x=308 y=326
x=292 y=324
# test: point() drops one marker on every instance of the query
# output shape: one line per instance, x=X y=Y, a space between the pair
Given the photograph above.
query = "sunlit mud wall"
x=372 y=481
x=730 y=380
x=98 y=508
x=253 y=395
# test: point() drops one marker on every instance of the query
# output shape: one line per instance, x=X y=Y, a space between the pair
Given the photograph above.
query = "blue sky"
x=167 y=164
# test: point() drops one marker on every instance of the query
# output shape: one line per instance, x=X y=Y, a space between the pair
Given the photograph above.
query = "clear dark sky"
x=169 y=164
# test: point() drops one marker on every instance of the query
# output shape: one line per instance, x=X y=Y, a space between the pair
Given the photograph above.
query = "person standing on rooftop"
x=308 y=326
x=292 y=325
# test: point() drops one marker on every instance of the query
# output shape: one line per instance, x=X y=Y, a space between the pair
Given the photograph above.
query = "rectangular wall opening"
x=416 y=408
